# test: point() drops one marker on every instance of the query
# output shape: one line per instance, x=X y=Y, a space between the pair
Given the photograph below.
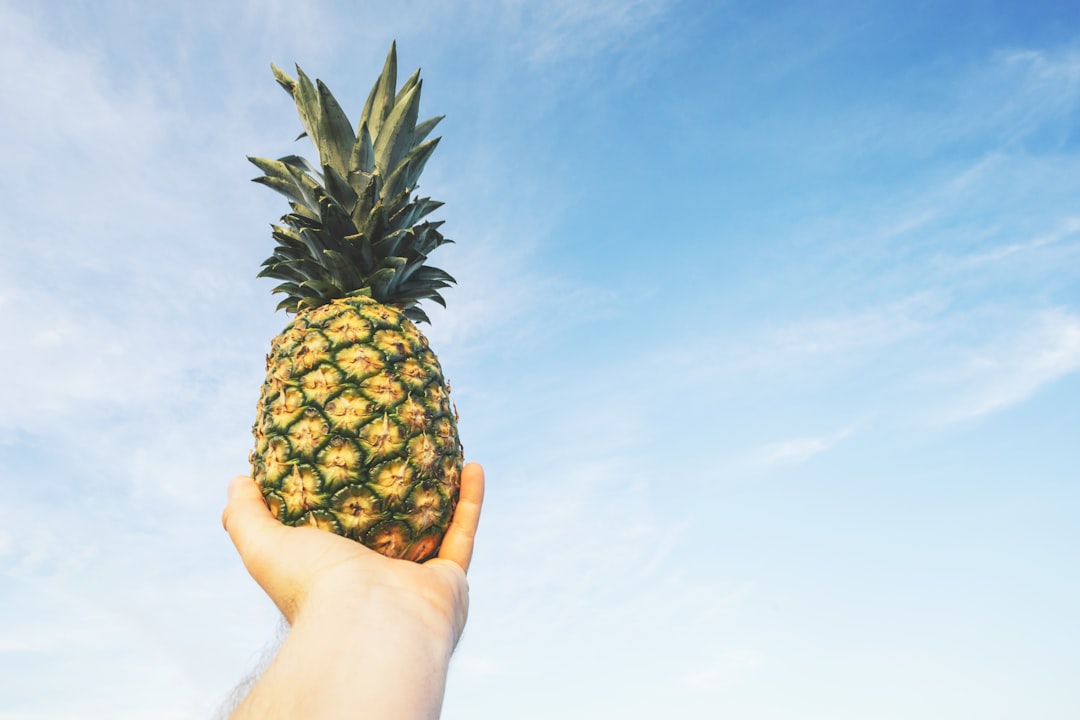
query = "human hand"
x=296 y=564
x=348 y=602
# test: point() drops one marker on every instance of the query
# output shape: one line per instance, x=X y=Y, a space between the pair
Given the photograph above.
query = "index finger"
x=457 y=545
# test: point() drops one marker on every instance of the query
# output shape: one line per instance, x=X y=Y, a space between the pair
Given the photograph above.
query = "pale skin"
x=369 y=637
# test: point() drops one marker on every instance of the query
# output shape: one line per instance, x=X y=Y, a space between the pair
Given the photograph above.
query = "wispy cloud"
x=1047 y=85
x=997 y=104
x=1066 y=229
x=847 y=332
x=823 y=341
x=1016 y=366
x=796 y=450
x=565 y=29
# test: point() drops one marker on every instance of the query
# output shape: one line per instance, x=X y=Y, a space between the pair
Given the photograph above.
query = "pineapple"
x=355 y=432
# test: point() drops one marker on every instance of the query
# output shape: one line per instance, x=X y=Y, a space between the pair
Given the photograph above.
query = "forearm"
x=359 y=658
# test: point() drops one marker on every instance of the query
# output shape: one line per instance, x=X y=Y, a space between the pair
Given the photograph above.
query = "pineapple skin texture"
x=355 y=432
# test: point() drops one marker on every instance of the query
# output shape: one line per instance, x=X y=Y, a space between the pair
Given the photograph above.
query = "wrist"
x=345 y=609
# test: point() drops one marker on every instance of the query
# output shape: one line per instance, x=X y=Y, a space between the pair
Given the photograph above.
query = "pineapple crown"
x=355 y=227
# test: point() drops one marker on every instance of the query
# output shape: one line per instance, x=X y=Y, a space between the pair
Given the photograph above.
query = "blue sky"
x=767 y=332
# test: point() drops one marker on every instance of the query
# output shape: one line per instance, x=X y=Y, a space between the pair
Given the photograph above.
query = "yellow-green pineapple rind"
x=355 y=432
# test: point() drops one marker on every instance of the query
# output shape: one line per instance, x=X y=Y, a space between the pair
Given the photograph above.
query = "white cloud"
x=67 y=111
x=566 y=29
x=873 y=327
x=796 y=450
x=576 y=555
x=1016 y=366
x=822 y=343
x=601 y=505
x=119 y=292
x=146 y=592
x=1047 y=84
x=1065 y=229
x=1000 y=103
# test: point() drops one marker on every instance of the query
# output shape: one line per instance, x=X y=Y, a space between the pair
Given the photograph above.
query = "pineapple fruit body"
x=355 y=432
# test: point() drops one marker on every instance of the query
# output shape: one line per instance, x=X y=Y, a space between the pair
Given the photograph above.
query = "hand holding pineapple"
x=368 y=633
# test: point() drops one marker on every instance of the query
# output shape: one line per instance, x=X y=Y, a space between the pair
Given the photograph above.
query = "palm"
x=293 y=563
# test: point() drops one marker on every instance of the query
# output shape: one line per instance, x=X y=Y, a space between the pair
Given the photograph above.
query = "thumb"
x=246 y=517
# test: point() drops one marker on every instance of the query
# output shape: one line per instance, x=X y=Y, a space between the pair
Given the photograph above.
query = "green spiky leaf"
x=392 y=141
x=354 y=224
x=381 y=100
x=363 y=153
x=336 y=138
x=307 y=105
